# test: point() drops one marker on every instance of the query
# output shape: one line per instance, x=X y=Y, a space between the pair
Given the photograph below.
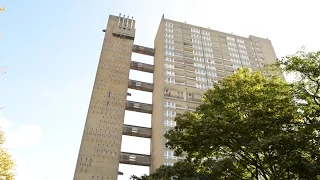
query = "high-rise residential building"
x=188 y=59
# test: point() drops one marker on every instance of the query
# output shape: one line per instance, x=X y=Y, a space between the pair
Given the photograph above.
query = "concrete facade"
x=188 y=59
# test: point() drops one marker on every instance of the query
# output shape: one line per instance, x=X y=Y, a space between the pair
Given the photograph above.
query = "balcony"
x=139 y=107
x=141 y=67
x=142 y=86
x=180 y=81
x=219 y=67
x=143 y=50
x=179 y=70
x=228 y=62
x=173 y=96
x=137 y=131
x=196 y=98
x=229 y=68
x=220 y=73
x=218 y=61
x=135 y=159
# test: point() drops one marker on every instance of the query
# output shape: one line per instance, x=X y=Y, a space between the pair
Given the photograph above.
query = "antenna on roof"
x=124 y=16
x=119 y=19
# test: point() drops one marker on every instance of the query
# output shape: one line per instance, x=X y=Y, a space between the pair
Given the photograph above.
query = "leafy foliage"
x=306 y=68
x=249 y=127
x=6 y=162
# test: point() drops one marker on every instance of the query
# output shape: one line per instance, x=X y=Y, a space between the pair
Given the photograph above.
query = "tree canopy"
x=251 y=127
x=6 y=162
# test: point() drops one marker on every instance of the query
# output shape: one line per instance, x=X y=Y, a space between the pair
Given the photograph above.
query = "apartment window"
x=196 y=46
x=169 y=29
x=169 y=104
x=180 y=94
x=169 y=155
x=201 y=79
x=169 y=35
x=208 y=55
x=231 y=44
x=196 y=41
x=195 y=35
x=169 y=59
x=177 y=53
x=201 y=86
x=168 y=66
x=168 y=46
x=190 y=95
x=235 y=61
x=208 y=49
x=243 y=52
x=169 y=123
x=166 y=91
x=232 y=49
x=169 y=113
x=169 y=73
x=211 y=81
x=210 y=61
x=200 y=53
x=240 y=41
x=169 y=80
x=246 y=63
x=205 y=33
x=195 y=30
x=199 y=59
x=234 y=66
x=230 y=38
x=168 y=163
x=242 y=46
x=235 y=55
x=169 y=40
x=210 y=67
x=169 y=52
x=200 y=71
x=199 y=65
x=169 y=24
x=244 y=57
x=212 y=74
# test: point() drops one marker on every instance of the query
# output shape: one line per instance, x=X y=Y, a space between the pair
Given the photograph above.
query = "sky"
x=52 y=50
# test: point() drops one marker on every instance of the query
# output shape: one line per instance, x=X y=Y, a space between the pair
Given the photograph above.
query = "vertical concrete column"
x=99 y=152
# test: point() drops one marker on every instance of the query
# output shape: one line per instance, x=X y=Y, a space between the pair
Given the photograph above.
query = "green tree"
x=6 y=162
x=249 y=127
x=305 y=66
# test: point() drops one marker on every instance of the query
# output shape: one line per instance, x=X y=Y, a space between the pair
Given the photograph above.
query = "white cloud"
x=27 y=135
x=17 y=137
x=23 y=171
x=5 y=124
